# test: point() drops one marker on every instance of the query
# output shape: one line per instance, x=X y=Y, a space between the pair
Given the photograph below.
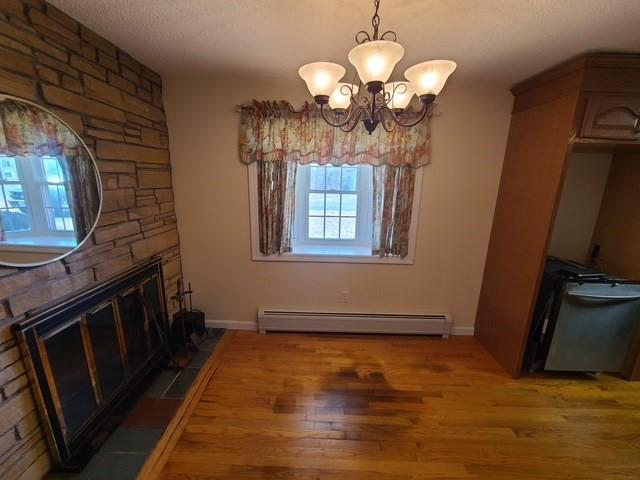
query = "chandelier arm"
x=396 y=119
x=352 y=94
x=371 y=112
x=386 y=97
x=348 y=88
x=362 y=36
x=354 y=121
x=333 y=124
x=398 y=86
x=389 y=33
x=354 y=114
x=360 y=102
x=355 y=98
x=388 y=126
x=326 y=119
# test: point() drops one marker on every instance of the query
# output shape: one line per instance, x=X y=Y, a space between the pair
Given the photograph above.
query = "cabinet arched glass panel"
x=50 y=193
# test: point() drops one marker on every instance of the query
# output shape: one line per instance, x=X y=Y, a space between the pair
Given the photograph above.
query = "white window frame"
x=36 y=206
x=22 y=182
x=41 y=179
x=256 y=255
x=303 y=244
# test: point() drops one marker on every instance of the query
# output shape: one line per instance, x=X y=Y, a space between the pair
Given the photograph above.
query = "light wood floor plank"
x=329 y=407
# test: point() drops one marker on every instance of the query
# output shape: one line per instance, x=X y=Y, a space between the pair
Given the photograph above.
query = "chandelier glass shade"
x=428 y=78
x=321 y=77
x=341 y=96
x=345 y=105
x=375 y=60
x=401 y=94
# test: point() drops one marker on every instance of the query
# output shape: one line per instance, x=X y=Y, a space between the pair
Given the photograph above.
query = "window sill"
x=332 y=250
x=328 y=255
x=48 y=244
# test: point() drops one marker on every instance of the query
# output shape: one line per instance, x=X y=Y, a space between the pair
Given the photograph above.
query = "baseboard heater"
x=353 y=322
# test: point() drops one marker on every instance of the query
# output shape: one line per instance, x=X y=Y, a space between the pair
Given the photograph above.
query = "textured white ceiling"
x=501 y=41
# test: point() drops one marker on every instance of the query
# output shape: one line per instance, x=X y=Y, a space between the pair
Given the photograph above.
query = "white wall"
x=584 y=186
x=212 y=203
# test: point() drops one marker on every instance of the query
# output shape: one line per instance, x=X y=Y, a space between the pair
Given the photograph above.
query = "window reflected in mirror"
x=49 y=186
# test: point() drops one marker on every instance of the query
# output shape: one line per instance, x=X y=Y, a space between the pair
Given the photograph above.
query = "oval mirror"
x=50 y=192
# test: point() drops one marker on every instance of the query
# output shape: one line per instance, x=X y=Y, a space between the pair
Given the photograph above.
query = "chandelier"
x=374 y=59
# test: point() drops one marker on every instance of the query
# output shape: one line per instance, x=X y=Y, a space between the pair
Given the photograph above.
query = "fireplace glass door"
x=106 y=347
x=152 y=298
x=90 y=359
x=135 y=327
x=66 y=360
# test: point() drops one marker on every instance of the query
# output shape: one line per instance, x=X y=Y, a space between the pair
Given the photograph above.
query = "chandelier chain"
x=375 y=21
x=363 y=36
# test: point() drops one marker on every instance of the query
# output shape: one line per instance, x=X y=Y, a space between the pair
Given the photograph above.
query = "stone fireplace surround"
x=115 y=104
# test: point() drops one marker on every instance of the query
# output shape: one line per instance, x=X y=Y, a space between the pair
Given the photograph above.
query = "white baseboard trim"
x=463 y=331
x=247 y=325
x=231 y=324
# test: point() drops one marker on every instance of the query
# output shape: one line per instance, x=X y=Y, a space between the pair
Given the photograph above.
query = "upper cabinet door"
x=613 y=117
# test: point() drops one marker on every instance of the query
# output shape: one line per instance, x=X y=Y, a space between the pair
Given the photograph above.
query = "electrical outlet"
x=344 y=296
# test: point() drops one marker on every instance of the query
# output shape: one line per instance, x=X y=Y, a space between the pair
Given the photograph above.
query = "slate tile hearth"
x=199 y=359
x=182 y=383
x=161 y=383
x=132 y=440
x=153 y=412
x=123 y=454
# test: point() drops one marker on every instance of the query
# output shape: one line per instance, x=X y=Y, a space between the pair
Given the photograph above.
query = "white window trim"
x=363 y=229
x=256 y=255
x=36 y=206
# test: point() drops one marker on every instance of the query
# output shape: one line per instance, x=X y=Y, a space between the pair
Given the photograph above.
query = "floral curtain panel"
x=81 y=188
x=392 y=207
x=271 y=131
x=28 y=130
x=276 y=201
x=279 y=138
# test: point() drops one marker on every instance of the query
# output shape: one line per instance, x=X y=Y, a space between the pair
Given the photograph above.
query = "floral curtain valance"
x=28 y=130
x=272 y=131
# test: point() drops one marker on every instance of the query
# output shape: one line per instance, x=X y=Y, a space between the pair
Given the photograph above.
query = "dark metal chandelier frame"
x=373 y=109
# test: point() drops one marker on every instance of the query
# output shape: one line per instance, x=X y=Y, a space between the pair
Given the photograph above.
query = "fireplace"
x=88 y=354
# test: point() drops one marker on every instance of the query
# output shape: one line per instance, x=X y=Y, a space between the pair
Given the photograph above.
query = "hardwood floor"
x=302 y=407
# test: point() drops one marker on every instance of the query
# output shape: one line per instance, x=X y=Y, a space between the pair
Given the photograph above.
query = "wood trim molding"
x=593 y=60
x=597 y=72
x=160 y=455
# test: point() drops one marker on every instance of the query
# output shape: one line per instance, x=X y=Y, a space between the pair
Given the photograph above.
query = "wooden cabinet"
x=590 y=102
x=614 y=117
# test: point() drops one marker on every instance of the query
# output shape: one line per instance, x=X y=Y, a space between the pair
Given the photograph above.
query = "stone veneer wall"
x=115 y=104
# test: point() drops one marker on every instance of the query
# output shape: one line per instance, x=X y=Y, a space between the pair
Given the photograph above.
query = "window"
x=333 y=220
x=333 y=210
x=13 y=205
x=33 y=201
x=54 y=192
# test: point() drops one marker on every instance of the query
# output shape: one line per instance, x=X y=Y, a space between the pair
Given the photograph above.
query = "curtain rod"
x=252 y=106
